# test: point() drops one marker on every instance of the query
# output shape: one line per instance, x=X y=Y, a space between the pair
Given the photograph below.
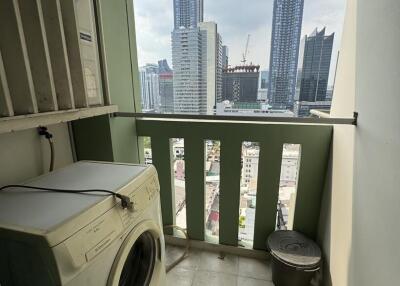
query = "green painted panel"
x=116 y=138
x=134 y=59
x=125 y=143
x=314 y=139
x=116 y=41
x=229 y=197
x=312 y=173
x=269 y=169
x=93 y=139
x=162 y=154
x=194 y=178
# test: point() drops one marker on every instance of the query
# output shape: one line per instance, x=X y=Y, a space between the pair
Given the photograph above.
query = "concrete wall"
x=25 y=155
x=335 y=231
x=359 y=226
x=376 y=199
x=336 y=226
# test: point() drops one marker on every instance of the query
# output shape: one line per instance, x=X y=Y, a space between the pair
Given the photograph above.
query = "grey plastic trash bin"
x=295 y=258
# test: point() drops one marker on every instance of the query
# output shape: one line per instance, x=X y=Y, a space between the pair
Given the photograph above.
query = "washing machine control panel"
x=141 y=198
x=98 y=235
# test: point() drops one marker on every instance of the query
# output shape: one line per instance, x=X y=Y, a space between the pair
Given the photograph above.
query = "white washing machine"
x=49 y=238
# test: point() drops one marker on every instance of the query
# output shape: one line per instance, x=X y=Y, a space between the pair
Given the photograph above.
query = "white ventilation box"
x=89 y=50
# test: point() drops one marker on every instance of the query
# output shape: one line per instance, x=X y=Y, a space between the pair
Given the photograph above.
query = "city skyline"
x=154 y=42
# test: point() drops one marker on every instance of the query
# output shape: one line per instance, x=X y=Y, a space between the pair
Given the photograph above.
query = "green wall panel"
x=93 y=139
x=195 y=193
x=120 y=76
x=162 y=153
x=229 y=191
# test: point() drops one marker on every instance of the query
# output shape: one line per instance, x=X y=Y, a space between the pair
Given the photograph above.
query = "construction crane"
x=246 y=51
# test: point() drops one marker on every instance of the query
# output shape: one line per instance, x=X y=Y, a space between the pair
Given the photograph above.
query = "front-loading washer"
x=69 y=239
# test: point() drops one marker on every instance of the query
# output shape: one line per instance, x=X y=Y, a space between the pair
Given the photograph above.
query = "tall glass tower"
x=285 y=40
x=314 y=65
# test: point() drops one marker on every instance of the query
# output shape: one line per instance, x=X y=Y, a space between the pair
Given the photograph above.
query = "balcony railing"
x=315 y=143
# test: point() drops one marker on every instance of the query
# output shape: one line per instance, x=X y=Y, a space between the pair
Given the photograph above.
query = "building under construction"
x=240 y=83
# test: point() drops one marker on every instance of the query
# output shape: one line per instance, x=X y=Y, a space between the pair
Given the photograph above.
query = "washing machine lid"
x=41 y=212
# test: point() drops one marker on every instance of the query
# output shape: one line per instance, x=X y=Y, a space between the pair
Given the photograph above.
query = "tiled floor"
x=206 y=268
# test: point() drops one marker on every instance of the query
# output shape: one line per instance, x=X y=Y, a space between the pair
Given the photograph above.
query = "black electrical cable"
x=52 y=154
x=44 y=132
x=125 y=200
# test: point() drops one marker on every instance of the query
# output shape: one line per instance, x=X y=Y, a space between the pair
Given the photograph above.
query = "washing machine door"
x=137 y=259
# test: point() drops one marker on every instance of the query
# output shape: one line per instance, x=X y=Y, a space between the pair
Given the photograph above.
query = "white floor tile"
x=192 y=261
x=211 y=261
x=180 y=277
x=254 y=268
x=208 y=278
x=204 y=268
x=245 y=281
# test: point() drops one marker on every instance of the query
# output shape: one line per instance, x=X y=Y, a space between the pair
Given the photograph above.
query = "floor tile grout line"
x=226 y=273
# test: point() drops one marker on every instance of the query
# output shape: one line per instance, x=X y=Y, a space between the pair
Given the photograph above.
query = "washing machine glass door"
x=135 y=262
x=139 y=265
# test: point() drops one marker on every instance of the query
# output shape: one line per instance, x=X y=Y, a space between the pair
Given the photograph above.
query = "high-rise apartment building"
x=166 y=87
x=196 y=59
x=285 y=39
x=190 y=89
x=150 y=88
x=188 y=13
x=212 y=60
x=314 y=65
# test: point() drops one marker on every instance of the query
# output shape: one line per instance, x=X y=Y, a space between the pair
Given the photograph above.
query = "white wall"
x=376 y=199
x=24 y=154
x=360 y=224
x=336 y=225
x=335 y=232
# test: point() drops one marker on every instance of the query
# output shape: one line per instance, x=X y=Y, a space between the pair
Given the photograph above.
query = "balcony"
x=315 y=143
x=347 y=194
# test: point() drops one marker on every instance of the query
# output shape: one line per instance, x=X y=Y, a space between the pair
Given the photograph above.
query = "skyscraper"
x=150 y=88
x=189 y=83
x=285 y=39
x=190 y=90
x=212 y=60
x=225 y=57
x=163 y=66
x=196 y=59
x=166 y=90
x=188 y=13
x=314 y=64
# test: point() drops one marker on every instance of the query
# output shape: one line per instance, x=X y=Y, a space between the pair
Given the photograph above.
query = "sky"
x=236 y=19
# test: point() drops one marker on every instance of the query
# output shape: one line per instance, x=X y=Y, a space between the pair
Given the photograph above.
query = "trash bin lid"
x=294 y=249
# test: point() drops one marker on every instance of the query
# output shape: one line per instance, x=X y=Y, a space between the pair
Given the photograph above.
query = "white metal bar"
x=38 y=52
x=74 y=53
x=15 y=59
x=51 y=11
x=22 y=122
x=6 y=108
